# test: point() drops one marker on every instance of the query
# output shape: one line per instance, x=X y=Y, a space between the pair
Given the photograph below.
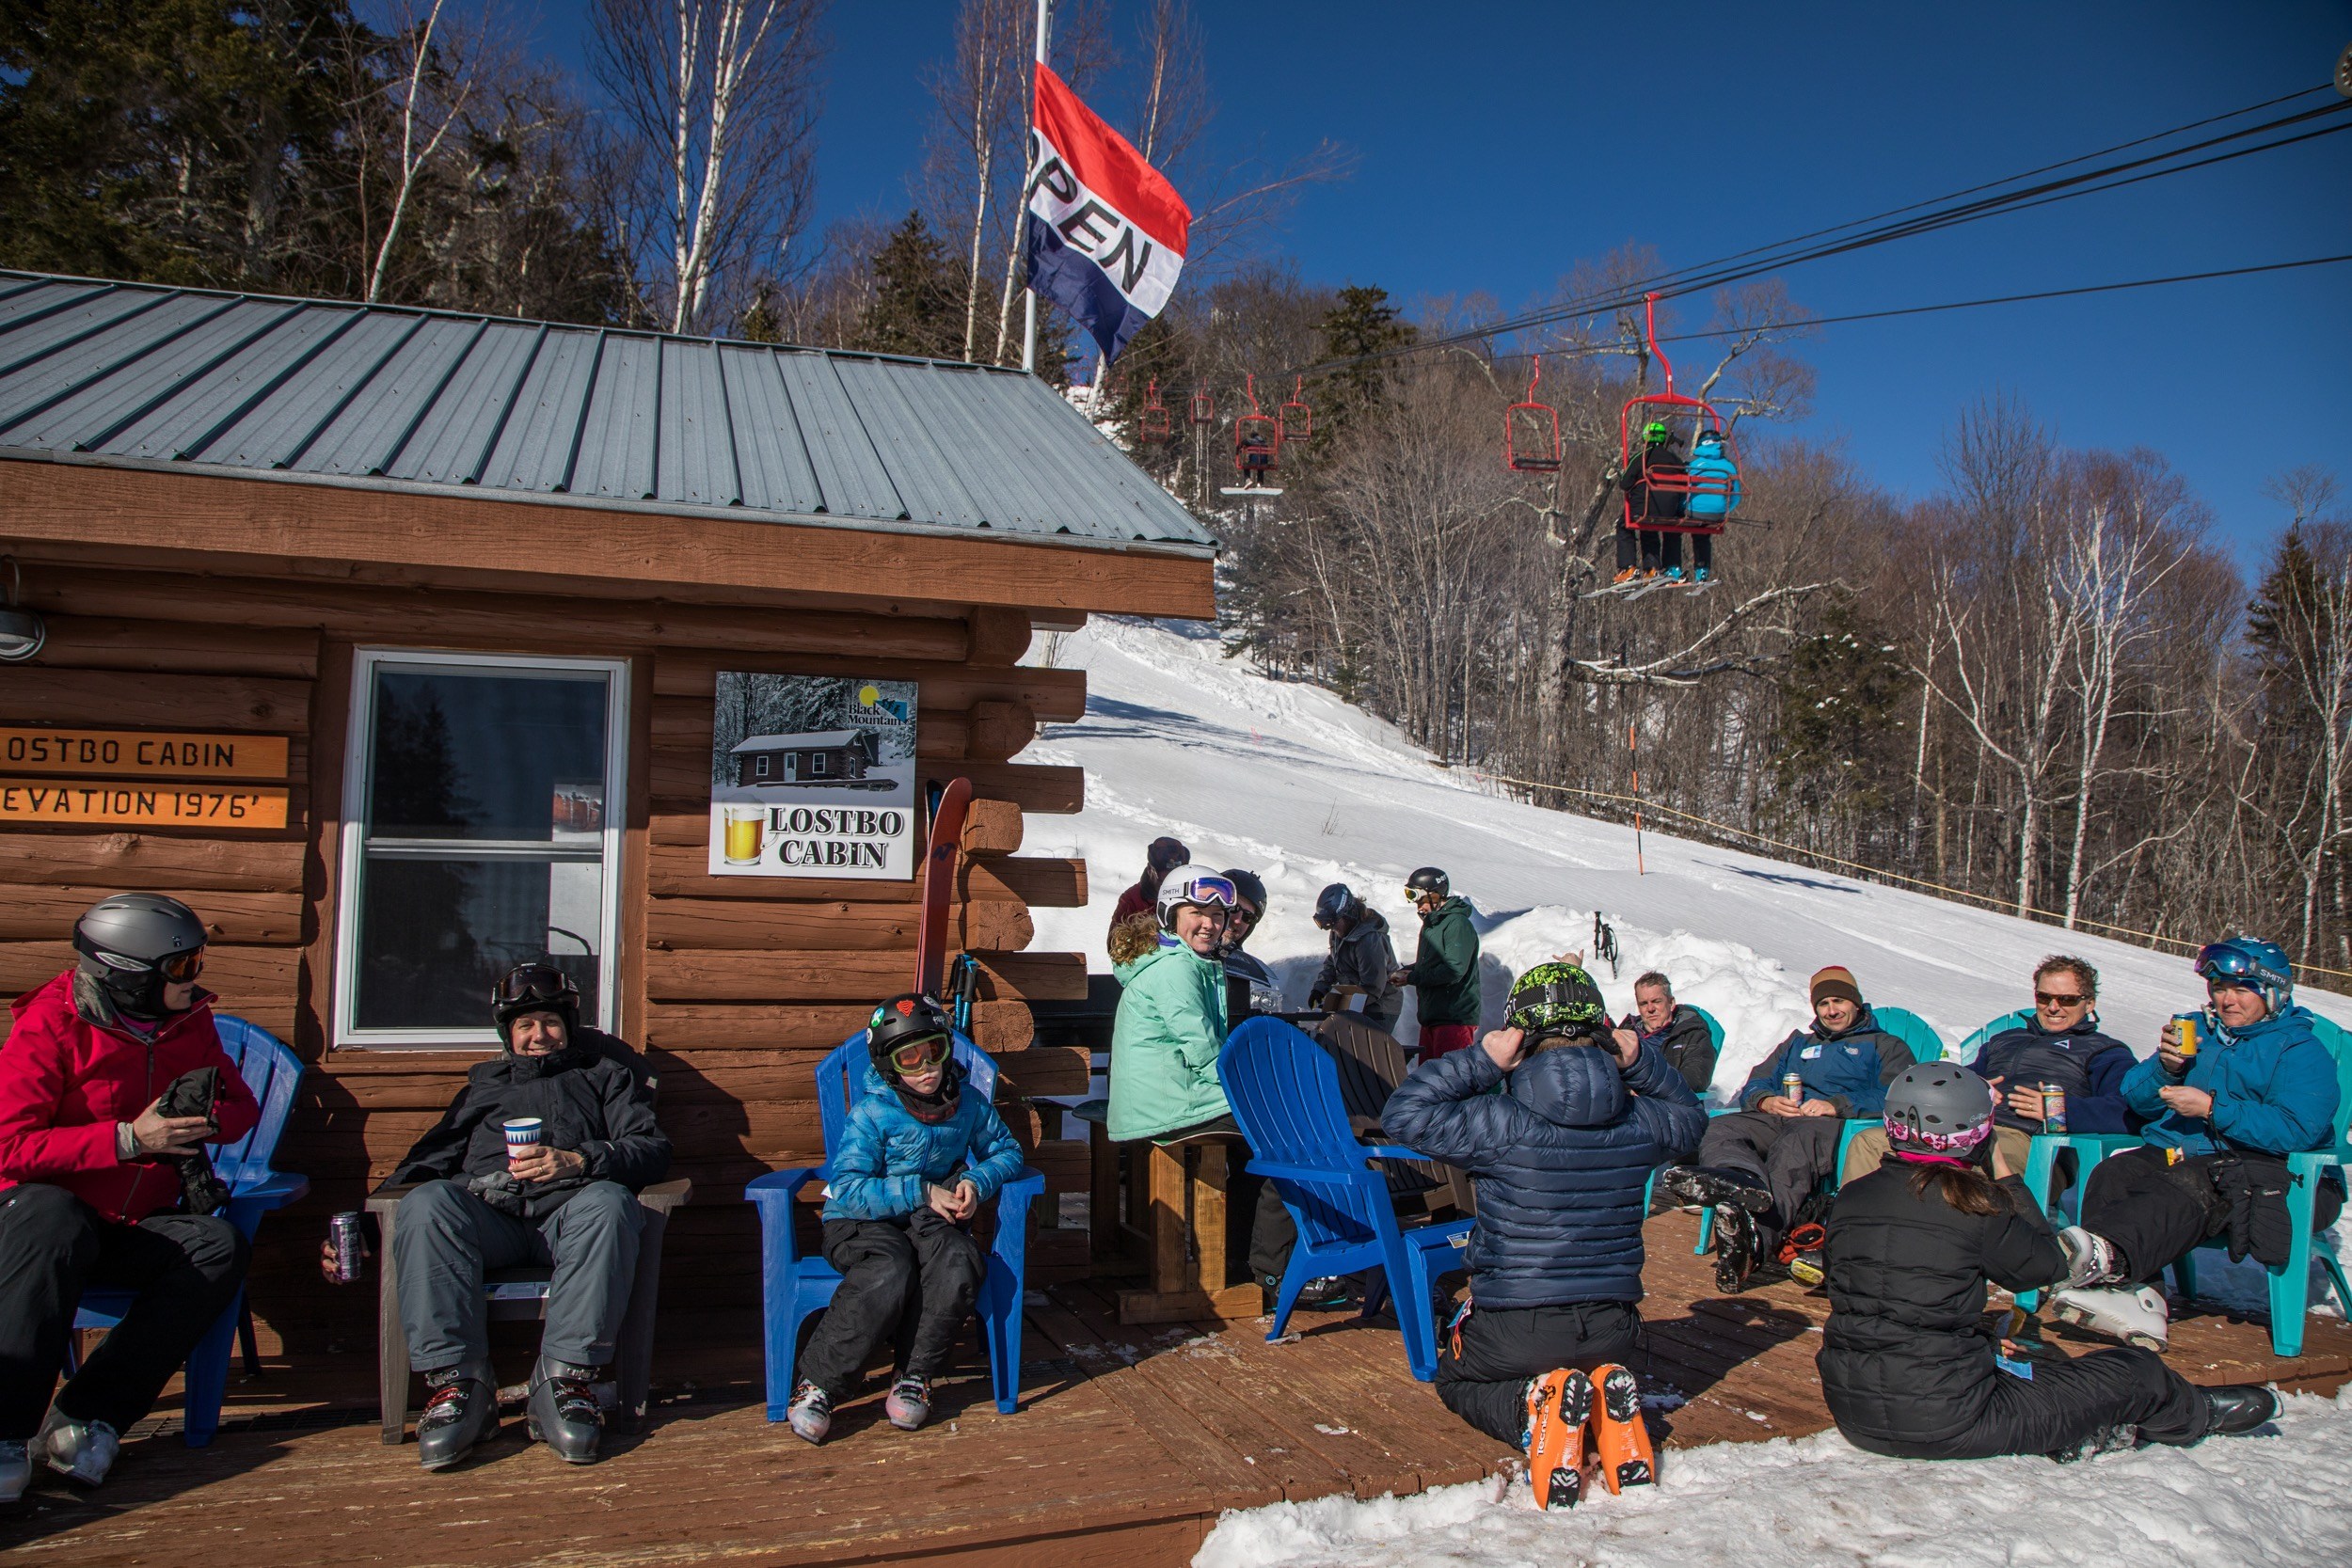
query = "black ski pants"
x=1487 y=1355
x=911 y=1279
x=2156 y=1213
x=186 y=1269
x=1788 y=1154
x=2065 y=1403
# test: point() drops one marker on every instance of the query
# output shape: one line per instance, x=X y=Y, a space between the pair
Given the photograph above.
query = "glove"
x=192 y=1094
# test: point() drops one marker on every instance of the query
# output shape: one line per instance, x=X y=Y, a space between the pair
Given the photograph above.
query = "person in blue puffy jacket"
x=1758 y=1165
x=917 y=1157
x=1714 y=491
x=1561 y=1156
x=2223 y=1107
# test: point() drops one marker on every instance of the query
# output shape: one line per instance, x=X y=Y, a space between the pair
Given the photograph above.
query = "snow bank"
x=2271 y=1498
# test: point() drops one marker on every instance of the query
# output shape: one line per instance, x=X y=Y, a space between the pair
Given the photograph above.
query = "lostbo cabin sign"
x=141 y=753
x=811 y=776
x=141 y=778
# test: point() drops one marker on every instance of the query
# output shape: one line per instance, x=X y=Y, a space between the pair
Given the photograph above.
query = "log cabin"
x=389 y=640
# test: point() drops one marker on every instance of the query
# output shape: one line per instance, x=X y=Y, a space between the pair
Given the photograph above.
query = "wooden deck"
x=1134 y=1438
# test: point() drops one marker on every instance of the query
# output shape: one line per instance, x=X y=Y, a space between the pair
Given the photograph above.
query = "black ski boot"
x=1739 y=1246
x=564 y=1413
x=459 y=1412
x=1709 y=1185
x=2239 y=1407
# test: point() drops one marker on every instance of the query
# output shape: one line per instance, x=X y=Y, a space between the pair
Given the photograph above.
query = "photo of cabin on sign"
x=811 y=776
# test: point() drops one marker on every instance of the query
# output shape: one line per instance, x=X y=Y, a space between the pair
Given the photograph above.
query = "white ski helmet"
x=1197 y=885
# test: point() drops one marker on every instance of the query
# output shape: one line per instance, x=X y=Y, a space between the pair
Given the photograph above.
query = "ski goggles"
x=526 y=984
x=2224 y=961
x=920 y=1056
x=180 y=968
x=1207 y=890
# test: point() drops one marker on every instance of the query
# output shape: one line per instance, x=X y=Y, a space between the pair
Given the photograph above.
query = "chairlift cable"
x=1720 y=270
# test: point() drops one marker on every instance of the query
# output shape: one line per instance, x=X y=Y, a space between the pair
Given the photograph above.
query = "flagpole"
x=1028 y=329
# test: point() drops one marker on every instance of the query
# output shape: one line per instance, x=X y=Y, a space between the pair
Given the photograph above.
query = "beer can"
x=1793 y=1088
x=2187 y=1023
x=349 y=1232
x=2053 y=1108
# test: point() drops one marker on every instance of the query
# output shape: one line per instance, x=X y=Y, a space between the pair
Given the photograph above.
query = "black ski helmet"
x=1249 y=886
x=535 y=989
x=1938 y=1108
x=1428 y=880
x=903 y=1021
x=1336 y=903
x=124 y=942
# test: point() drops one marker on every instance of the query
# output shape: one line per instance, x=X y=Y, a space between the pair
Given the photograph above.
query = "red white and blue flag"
x=1104 y=231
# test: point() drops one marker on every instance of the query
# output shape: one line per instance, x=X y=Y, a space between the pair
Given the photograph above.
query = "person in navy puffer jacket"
x=1560 y=1157
x=917 y=1157
x=2256 y=1085
x=1757 y=1165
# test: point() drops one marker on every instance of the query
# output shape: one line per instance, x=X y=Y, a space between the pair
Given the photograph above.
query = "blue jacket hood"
x=1572 y=1085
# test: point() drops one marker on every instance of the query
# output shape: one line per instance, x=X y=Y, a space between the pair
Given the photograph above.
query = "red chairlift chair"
x=1257 y=440
x=1154 y=423
x=1686 y=418
x=1298 y=420
x=1530 y=432
x=1204 y=405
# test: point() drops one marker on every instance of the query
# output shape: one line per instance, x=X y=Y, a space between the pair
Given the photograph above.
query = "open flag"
x=1106 y=230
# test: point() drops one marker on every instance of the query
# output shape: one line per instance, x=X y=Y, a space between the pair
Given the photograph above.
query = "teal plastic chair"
x=271 y=1073
x=2290 y=1283
x=1714 y=1033
x=1926 y=1046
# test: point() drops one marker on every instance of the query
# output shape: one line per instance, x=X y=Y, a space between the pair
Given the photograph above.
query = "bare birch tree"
x=717 y=101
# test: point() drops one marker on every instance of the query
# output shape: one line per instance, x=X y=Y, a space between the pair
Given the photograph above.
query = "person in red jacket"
x=87 y=1196
x=1164 y=856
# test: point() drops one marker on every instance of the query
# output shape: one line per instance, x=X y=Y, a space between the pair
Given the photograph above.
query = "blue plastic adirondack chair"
x=793 y=1288
x=1285 y=1094
x=1714 y=1033
x=2290 y=1283
x=1926 y=1046
x=272 y=1072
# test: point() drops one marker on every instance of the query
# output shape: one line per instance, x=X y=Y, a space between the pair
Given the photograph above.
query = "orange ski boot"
x=1558 y=1405
x=1619 y=1439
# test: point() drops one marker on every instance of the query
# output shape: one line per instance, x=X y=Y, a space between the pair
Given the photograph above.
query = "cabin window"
x=817 y=764
x=760 y=767
x=481 y=813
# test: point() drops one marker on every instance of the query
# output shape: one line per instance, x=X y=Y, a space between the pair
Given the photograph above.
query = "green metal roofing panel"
x=400 y=399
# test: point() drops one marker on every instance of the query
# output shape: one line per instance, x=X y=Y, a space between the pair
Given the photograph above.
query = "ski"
x=948 y=809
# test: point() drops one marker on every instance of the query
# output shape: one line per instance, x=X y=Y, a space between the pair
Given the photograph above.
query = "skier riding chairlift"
x=1665 y=497
x=1256 y=447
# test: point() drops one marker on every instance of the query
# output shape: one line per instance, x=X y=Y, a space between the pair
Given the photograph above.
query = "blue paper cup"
x=522 y=1135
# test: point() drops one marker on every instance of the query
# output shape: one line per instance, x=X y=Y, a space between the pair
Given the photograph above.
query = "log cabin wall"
x=735 y=986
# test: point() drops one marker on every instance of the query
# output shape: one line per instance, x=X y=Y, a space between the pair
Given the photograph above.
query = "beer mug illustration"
x=745 y=824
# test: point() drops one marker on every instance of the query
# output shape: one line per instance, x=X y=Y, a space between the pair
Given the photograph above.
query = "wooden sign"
x=144 y=753
x=226 y=808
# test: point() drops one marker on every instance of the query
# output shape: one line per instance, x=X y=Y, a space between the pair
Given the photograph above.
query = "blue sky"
x=1495 y=143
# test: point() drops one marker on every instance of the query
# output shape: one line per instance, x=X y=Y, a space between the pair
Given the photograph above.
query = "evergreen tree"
x=1363 y=321
x=917 y=305
x=2288 y=630
x=1842 y=715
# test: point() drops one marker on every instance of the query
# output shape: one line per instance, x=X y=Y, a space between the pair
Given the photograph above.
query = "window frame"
x=345 y=1033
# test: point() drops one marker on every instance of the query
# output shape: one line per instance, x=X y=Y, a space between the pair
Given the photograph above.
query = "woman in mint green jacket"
x=1171 y=1016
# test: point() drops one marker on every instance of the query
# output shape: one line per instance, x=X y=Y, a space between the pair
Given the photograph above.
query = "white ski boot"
x=2137 y=1317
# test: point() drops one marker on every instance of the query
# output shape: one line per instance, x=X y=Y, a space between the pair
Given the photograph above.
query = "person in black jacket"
x=1560 y=1157
x=1360 y=956
x=1912 y=1368
x=1679 y=1032
x=2059 y=1047
x=567 y=1201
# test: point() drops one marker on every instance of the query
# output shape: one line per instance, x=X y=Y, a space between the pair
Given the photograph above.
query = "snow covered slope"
x=1290 y=782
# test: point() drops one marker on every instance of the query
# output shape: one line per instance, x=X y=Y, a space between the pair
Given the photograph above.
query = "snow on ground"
x=1296 y=785
x=1291 y=781
x=2272 y=1496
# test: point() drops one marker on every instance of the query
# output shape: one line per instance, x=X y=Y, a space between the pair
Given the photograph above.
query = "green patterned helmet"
x=1555 y=998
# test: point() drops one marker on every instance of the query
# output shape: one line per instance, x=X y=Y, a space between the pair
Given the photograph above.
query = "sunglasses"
x=920 y=1056
x=2051 y=999
x=180 y=968
x=1244 y=916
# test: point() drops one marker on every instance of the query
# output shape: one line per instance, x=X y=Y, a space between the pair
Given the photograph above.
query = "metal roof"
x=389 y=398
